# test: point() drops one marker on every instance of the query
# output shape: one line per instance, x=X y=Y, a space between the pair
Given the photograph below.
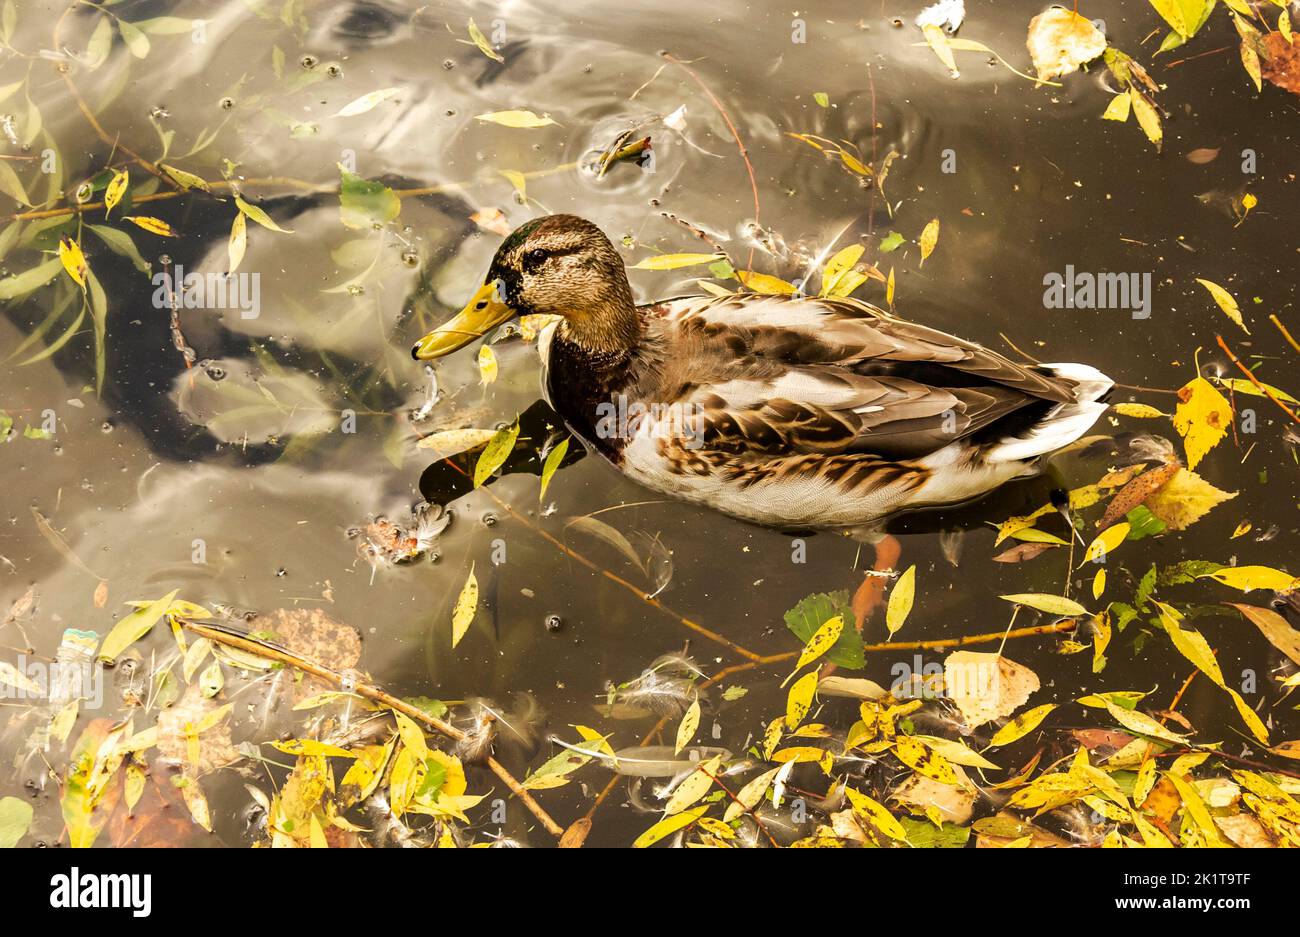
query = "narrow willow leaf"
x=1022 y=725
x=901 y=599
x=115 y=190
x=675 y=261
x=73 y=260
x=466 y=607
x=799 y=700
x=481 y=41
x=553 y=460
x=496 y=453
x=1106 y=543
x=929 y=238
x=367 y=102
x=521 y=120
x=260 y=216
x=238 y=242
x=689 y=725
x=11 y=185
x=152 y=225
x=1225 y=302
x=1052 y=604
x=186 y=180
x=134 y=627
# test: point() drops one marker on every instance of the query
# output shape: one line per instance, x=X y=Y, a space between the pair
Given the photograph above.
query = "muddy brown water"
x=166 y=460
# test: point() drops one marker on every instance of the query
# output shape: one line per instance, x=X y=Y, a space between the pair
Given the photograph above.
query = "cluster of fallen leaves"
x=361 y=774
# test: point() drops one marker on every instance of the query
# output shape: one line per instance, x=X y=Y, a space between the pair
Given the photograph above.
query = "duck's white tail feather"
x=1063 y=424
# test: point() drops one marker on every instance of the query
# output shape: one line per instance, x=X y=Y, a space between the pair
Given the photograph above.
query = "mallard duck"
x=794 y=412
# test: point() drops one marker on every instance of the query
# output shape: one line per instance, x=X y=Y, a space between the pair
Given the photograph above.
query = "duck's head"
x=558 y=265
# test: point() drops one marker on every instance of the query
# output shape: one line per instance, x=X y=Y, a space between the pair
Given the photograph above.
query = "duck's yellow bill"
x=481 y=314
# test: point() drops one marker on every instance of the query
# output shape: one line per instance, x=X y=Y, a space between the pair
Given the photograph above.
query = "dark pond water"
x=247 y=460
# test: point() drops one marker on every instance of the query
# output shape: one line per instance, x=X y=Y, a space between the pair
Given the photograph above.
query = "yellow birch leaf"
x=1202 y=418
x=689 y=724
x=1185 y=499
x=466 y=607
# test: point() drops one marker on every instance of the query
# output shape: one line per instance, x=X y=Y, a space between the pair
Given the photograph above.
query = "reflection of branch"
x=268 y=652
x=753 y=656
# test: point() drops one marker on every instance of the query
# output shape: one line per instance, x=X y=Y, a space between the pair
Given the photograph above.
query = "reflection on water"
x=300 y=424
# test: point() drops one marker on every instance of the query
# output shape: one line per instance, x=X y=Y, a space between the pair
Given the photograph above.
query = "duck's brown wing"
x=789 y=376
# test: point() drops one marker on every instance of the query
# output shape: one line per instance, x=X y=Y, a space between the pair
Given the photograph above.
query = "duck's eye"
x=534 y=259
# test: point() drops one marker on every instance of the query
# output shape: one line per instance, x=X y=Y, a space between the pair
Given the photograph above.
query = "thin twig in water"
x=1254 y=380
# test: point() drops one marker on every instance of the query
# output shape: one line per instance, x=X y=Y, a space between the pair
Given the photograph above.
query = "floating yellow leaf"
x=1185 y=499
x=901 y=599
x=763 y=283
x=822 y=640
x=258 y=215
x=496 y=452
x=1022 y=725
x=552 y=464
x=1247 y=578
x=1139 y=410
x=466 y=607
x=929 y=238
x=481 y=41
x=1201 y=418
x=924 y=761
x=1106 y=543
x=689 y=725
x=668 y=826
x=1225 y=302
x=1119 y=108
x=695 y=786
x=938 y=41
x=1140 y=722
x=799 y=700
x=1274 y=627
x=839 y=265
x=1061 y=40
x=114 y=191
x=73 y=260
x=1148 y=117
x=1043 y=602
x=1240 y=385
x=676 y=261
x=487 y=365
x=367 y=102
x=1098 y=584
x=152 y=225
x=237 y=244
x=186 y=180
x=520 y=120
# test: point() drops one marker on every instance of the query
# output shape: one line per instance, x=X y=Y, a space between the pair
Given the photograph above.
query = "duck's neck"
x=607 y=330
